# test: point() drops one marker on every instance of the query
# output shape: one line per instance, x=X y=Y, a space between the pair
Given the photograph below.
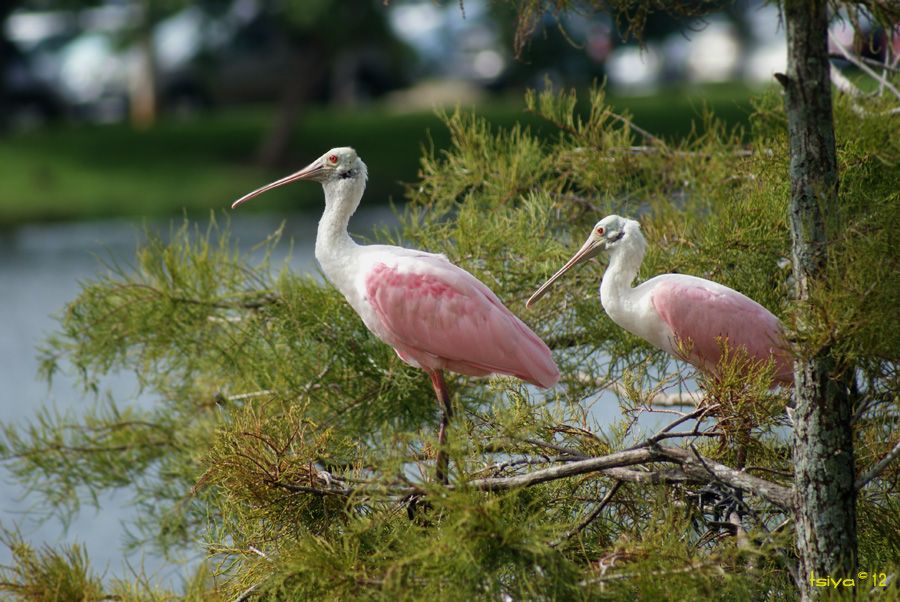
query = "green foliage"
x=65 y=574
x=300 y=448
x=631 y=16
x=48 y=574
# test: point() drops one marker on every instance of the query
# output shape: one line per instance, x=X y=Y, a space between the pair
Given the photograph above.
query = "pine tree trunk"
x=823 y=441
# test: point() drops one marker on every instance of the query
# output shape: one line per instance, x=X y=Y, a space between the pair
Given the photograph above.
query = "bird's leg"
x=443 y=399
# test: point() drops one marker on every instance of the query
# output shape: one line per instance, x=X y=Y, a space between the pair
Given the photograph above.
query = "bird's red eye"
x=332 y=158
x=600 y=230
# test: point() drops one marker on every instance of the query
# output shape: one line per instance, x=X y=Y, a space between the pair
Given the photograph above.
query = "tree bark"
x=825 y=504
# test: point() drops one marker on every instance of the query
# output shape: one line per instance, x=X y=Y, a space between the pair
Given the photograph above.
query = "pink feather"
x=438 y=316
x=699 y=311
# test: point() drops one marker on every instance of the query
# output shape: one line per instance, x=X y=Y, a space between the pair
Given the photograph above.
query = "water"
x=41 y=267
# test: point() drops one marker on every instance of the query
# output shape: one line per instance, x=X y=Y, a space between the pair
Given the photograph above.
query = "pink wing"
x=700 y=311
x=440 y=316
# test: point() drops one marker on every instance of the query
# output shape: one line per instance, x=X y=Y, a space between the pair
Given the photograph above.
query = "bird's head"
x=338 y=165
x=611 y=234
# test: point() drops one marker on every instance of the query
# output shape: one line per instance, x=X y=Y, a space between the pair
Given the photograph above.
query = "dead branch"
x=592 y=516
x=843 y=84
x=862 y=66
x=699 y=467
x=651 y=477
x=571 y=469
x=498 y=467
x=693 y=465
x=878 y=467
x=666 y=432
x=649 y=150
x=873 y=62
x=630 y=124
x=247 y=593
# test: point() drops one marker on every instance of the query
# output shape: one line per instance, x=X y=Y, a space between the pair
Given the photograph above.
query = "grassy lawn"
x=81 y=171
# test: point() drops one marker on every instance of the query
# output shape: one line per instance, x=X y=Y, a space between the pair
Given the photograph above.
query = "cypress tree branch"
x=651 y=477
x=647 y=135
x=693 y=466
x=879 y=467
x=863 y=67
x=696 y=466
x=614 y=460
x=864 y=59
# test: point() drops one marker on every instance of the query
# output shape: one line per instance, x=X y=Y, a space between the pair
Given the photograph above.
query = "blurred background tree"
x=348 y=43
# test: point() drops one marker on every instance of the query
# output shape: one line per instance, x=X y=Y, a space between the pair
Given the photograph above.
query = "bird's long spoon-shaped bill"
x=587 y=250
x=310 y=172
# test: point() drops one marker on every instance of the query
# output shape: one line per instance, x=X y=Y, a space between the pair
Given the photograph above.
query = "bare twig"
x=734 y=519
x=363 y=489
x=219 y=397
x=259 y=553
x=846 y=86
x=658 y=398
x=875 y=63
x=628 y=123
x=693 y=465
x=592 y=516
x=245 y=595
x=699 y=415
x=878 y=467
x=649 y=150
x=862 y=66
x=843 y=84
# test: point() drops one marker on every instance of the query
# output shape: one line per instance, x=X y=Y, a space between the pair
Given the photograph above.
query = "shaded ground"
x=194 y=165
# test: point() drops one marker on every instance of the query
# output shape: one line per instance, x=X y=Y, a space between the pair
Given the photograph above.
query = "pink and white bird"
x=680 y=314
x=434 y=314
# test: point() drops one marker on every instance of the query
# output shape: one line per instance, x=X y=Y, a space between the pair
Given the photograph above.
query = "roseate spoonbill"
x=676 y=307
x=434 y=314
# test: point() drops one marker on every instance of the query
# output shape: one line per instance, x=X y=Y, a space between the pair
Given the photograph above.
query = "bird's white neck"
x=625 y=259
x=333 y=242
